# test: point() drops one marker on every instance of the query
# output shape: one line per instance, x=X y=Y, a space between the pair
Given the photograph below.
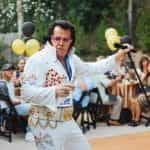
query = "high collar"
x=51 y=50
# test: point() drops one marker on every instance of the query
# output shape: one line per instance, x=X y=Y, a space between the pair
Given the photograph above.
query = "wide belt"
x=43 y=117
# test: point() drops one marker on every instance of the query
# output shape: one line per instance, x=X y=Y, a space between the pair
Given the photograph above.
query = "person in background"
x=102 y=83
x=48 y=82
x=21 y=107
x=17 y=75
x=143 y=64
x=145 y=72
x=139 y=104
x=108 y=97
x=83 y=84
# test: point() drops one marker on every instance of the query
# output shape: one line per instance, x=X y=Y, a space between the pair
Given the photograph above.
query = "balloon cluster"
x=28 y=47
x=112 y=37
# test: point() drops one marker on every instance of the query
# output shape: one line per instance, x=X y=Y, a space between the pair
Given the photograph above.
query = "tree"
x=138 y=16
x=133 y=14
x=19 y=16
x=8 y=16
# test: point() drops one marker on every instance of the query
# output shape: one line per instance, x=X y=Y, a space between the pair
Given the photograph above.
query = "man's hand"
x=119 y=78
x=64 y=90
x=121 y=54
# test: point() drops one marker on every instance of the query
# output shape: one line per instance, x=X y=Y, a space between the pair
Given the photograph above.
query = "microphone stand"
x=140 y=82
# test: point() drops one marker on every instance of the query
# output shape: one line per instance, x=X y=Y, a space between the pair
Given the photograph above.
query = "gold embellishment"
x=67 y=114
x=33 y=117
x=33 y=121
x=43 y=123
x=50 y=114
x=52 y=124
x=42 y=117
x=46 y=120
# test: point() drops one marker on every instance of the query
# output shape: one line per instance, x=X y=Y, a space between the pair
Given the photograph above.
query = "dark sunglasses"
x=58 y=39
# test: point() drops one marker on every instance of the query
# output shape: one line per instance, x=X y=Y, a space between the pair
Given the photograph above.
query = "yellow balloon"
x=18 y=47
x=110 y=45
x=111 y=41
x=110 y=32
x=32 y=46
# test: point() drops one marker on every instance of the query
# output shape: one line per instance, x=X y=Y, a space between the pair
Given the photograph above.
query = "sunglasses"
x=58 y=39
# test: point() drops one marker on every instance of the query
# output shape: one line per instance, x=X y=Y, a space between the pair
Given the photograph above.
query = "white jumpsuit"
x=53 y=127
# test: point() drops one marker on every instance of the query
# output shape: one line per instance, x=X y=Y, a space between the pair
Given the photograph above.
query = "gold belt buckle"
x=67 y=113
x=33 y=117
x=51 y=124
x=41 y=117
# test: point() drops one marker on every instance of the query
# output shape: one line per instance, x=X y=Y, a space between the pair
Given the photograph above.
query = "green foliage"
x=41 y=30
x=2 y=48
x=143 y=30
x=90 y=17
x=102 y=48
x=81 y=37
x=89 y=12
x=112 y=18
x=8 y=16
x=39 y=12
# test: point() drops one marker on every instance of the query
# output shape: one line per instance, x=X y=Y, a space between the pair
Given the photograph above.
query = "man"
x=48 y=83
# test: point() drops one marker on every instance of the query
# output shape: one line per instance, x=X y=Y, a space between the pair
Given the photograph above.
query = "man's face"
x=61 y=40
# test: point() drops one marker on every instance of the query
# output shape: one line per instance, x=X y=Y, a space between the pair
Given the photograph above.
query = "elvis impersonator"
x=48 y=81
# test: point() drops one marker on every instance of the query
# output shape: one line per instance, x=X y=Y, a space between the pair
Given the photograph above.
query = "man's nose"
x=61 y=42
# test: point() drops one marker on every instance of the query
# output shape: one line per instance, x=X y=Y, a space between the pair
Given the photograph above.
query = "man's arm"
x=102 y=66
x=33 y=90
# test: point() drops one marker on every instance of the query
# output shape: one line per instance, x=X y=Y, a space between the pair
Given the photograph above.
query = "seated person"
x=143 y=64
x=84 y=84
x=145 y=78
x=17 y=75
x=102 y=82
x=142 y=71
x=21 y=107
x=139 y=104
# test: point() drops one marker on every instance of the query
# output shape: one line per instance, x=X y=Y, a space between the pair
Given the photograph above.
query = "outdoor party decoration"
x=112 y=38
x=29 y=45
x=112 y=41
x=32 y=46
x=28 y=28
x=110 y=32
x=28 y=48
x=18 y=47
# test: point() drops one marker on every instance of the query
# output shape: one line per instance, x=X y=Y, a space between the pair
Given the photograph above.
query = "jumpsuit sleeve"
x=33 y=89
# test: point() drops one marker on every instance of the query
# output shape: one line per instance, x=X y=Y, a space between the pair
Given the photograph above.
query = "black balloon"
x=28 y=28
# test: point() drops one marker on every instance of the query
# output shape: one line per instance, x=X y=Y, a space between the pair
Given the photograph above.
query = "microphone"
x=117 y=45
x=120 y=46
x=126 y=39
x=123 y=40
